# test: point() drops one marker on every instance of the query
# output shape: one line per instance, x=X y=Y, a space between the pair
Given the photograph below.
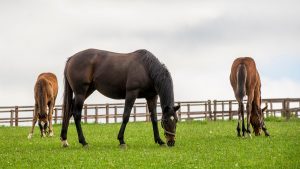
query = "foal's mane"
x=161 y=77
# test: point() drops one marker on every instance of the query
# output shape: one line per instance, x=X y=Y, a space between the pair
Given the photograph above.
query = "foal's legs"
x=240 y=111
x=33 y=122
x=129 y=101
x=152 y=109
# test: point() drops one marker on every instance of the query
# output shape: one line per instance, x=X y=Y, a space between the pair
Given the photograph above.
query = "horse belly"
x=111 y=92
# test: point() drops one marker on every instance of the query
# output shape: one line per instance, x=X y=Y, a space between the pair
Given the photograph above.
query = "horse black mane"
x=161 y=77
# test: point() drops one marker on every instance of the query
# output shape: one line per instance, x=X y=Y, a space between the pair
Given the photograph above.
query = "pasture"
x=199 y=144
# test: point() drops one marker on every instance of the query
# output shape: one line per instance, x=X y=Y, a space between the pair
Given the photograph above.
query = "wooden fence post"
x=96 y=114
x=147 y=113
x=55 y=115
x=209 y=109
x=107 y=113
x=230 y=110
x=11 y=118
x=16 y=116
x=134 y=113
x=271 y=108
x=222 y=110
x=205 y=110
x=283 y=111
x=188 y=111
x=179 y=111
x=288 y=112
x=85 y=113
x=115 y=114
x=215 y=110
x=267 y=111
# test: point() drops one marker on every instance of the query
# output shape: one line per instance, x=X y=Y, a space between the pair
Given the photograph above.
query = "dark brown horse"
x=45 y=92
x=119 y=76
x=245 y=80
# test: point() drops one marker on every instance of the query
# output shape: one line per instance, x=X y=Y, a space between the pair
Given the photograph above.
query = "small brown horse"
x=119 y=76
x=45 y=92
x=245 y=80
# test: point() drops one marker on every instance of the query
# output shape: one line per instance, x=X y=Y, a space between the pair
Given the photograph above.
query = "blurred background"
x=197 y=40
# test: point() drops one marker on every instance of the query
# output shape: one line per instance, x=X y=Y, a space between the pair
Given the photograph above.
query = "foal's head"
x=256 y=120
x=168 y=123
x=43 y=124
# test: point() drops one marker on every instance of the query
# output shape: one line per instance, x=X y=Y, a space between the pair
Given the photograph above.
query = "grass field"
x=198 y=145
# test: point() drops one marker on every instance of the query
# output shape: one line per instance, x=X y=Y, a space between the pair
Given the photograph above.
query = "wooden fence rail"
x=191 y=110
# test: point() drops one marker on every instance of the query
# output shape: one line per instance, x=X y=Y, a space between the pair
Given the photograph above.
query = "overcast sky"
x=197 y=40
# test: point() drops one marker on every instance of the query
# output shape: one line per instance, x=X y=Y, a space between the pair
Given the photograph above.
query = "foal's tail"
x=42 y=97
x=68 y=97
x=241 y=81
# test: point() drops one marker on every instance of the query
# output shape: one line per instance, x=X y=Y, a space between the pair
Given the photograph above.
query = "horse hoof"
x=86 y=146
x=51 y=134
x=250 y=136
x=65 y=143
x=123 y=146
x=29 y=136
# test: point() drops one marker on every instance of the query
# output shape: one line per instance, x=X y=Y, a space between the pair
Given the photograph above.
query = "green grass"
x=198 y=145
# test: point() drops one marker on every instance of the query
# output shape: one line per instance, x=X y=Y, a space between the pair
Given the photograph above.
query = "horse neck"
x=166 y=94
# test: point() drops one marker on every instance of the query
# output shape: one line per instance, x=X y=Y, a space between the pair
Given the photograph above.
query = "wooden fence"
x=191 y=110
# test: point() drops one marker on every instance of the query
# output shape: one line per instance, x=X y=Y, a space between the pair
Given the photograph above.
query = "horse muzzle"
x=170 y=139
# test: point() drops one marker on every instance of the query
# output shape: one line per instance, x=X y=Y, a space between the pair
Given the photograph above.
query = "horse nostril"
x=171 y=143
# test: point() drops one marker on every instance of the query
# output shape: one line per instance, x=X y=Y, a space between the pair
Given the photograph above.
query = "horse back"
x=108 y=72
x=252 y=75
x=46 y=86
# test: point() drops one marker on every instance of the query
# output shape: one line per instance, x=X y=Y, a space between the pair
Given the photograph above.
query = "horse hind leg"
x=33 y=123
x=77 y=110
x=240 y=110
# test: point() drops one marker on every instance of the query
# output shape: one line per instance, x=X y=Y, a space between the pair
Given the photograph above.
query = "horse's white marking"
x=44 y=135
x=172 y=118
x=43 y=123
x=65 y=143
x=29 y=136
x=51 y=134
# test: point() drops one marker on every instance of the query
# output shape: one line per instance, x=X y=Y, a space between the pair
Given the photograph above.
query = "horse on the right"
x=245 y=80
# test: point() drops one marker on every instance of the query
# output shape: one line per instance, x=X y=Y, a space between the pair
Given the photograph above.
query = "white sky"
x=197 y=40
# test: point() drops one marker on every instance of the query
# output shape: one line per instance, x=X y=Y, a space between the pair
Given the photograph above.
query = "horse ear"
x=176 y=108
x=264 y=109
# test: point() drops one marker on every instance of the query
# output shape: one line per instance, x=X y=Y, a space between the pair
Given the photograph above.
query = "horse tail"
x=68 y=97
x=241 y=81
x=42 y=97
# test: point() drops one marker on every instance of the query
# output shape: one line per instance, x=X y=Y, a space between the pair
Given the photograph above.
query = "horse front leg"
x=33 y=123
x=50 y=114
x=129 y=101
x=264 y=128
x=249 y=109
x=152 y=102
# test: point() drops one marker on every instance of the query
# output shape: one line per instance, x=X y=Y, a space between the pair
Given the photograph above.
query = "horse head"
x=257 y=117
x=168 y=123
x=43 y=123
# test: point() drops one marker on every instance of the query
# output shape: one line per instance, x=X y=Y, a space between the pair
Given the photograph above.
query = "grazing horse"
x=119 y=76
x=245 y=80
x=45 y=92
